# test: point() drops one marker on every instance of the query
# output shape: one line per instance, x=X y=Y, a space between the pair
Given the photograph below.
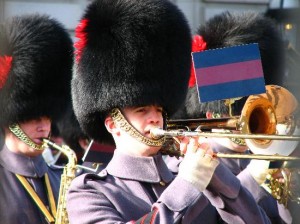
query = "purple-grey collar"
x=140 y=168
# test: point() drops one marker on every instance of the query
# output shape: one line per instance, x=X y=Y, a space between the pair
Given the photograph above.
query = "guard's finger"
x=193 y=145
x=183 y=144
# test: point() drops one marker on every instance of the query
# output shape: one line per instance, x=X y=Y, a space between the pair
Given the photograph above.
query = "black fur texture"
x=39 y=80
x=231 y=29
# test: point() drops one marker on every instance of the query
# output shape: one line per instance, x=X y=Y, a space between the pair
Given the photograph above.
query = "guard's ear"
x=110 y=125
x=84 y=143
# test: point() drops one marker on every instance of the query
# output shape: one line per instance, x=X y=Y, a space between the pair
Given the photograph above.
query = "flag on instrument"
x=228 y=72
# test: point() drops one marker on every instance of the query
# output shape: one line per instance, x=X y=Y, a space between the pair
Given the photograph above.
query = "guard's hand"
x=198 y=164
x=259 y=169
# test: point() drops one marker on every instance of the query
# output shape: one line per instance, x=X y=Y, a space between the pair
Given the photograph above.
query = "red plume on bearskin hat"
x=129 y=53
x=36 y=59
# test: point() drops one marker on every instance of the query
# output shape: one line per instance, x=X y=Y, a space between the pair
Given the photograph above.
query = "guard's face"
x=143 y=119
x=34 y=131
x=37 y=129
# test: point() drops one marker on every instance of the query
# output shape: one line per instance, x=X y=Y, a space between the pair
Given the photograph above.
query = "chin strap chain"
x=15 y=128
x=121 y=122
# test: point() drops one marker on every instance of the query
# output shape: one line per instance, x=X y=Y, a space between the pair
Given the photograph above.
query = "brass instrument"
x=257 y=117
x=68 y=175
x=258 y=124
x=157 y=133
x=286 y=190
x=172 y=151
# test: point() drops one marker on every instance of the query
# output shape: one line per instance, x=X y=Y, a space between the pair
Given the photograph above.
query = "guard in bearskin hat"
x=36 y=59
x=231 y=29
x=132 y=68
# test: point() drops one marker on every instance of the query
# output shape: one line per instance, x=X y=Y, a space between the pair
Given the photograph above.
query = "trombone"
x=158 y=133
x=257 y=123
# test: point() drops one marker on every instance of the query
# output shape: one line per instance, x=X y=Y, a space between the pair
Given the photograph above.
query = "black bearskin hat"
x=130 y=53
x=231 y=29
x=36 y=58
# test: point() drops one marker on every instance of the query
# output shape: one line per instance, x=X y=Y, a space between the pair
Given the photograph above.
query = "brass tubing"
x=50 y=143
x=257 y=156
x=203 y=123
x=275 y=157
x=157 y=133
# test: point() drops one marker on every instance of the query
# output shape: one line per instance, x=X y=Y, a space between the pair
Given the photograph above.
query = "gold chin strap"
x=121 y=122
x=15 y=128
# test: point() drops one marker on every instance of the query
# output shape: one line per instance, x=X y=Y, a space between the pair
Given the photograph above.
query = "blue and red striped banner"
x=229 y=72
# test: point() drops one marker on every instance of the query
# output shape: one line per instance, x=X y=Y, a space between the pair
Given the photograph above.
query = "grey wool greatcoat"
x=16 y=206
x=143 y=190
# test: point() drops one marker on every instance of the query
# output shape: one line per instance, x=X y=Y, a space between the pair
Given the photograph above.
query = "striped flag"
x=229 y=72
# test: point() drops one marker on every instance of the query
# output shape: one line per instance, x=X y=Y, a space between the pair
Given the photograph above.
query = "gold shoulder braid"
x=120 y=120
x=15 y=128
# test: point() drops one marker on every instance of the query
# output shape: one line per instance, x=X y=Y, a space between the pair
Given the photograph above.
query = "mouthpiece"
x=49 y=143
x=157 y=133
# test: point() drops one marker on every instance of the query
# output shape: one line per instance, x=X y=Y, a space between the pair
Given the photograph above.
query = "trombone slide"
x=157 y=133
x=257 y=156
